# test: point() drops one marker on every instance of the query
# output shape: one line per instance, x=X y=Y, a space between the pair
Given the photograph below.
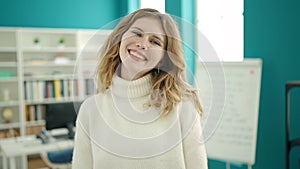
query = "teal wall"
x=60 y=13
x=272 y=32
x=183 y=12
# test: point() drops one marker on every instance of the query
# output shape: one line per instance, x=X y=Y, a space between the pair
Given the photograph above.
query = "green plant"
x=61 y=41
x=36 y=40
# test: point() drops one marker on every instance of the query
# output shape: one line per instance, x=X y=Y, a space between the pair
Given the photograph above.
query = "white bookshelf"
x=27 y=69
x=9 y=79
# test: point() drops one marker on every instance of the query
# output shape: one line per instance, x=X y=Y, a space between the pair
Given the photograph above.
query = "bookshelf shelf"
x=32 y=59
x=52 y=100
x=50 y=77
x=9 y=103
x=8 y=79
x=8 y=49
x=35 y=123
x=49 y=64
x=50 y=50
x=8 y=64
x=5 y=126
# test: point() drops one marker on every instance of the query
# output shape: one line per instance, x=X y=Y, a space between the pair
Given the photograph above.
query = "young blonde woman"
x=145 y=115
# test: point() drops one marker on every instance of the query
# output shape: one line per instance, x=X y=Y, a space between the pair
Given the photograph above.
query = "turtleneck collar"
x=131 y=89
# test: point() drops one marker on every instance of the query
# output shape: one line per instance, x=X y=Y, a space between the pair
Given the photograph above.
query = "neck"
x=125 y=74
x=131 y=88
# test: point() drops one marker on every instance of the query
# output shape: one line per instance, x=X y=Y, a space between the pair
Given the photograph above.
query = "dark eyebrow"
x=138 y=29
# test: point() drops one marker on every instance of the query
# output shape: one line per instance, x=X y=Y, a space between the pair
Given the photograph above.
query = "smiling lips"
x=136 y=55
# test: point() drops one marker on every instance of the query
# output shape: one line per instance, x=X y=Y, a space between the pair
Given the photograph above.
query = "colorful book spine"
x=57 y=89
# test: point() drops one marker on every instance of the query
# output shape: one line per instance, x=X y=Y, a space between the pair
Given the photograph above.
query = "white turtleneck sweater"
x=119 y=130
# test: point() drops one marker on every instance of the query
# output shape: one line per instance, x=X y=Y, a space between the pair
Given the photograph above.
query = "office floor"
x=35 y=162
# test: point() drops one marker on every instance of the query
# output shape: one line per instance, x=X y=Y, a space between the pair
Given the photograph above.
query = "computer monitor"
x=62 y=115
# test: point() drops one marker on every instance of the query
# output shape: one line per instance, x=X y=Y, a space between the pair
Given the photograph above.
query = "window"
x=155 y=4
x=222 y=23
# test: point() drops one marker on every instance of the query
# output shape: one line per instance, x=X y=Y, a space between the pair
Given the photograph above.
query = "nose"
x=143 y=44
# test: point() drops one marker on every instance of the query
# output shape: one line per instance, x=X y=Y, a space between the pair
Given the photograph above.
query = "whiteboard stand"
x=228 y=165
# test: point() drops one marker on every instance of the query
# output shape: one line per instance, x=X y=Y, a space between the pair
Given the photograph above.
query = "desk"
x=12 y=150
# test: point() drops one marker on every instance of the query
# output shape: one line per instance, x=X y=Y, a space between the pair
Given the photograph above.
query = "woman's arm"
x=82 y=155
x=194 y=148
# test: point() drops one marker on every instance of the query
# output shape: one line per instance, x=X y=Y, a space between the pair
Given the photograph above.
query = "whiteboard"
x=229 y=93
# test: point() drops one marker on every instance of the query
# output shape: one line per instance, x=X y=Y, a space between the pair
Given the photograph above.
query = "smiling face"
x=142 y=48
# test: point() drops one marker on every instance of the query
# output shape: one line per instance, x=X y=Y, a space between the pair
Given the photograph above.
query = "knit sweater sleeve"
x=82 y=154
x=194 y=148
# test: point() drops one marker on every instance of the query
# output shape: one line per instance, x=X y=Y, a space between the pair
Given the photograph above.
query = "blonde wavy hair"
x=169 y=79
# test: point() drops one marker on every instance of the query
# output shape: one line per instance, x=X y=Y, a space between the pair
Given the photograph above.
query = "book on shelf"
x=40 y=112
x=32 y=113
x=47 y=89
x=35 y=112
x=89 y=87
x=57 y=89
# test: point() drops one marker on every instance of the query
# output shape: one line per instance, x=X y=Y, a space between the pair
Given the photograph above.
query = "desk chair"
x=44 y=156
x=290 y=144
x=58 y=159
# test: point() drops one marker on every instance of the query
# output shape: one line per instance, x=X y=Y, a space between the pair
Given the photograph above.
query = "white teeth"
x=137 y=55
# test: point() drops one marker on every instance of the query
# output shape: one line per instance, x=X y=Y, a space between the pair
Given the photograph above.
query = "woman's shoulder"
x=90 y=99
x=188 y=105
x=95 y=97
x=187 y=102
x=90 y=106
